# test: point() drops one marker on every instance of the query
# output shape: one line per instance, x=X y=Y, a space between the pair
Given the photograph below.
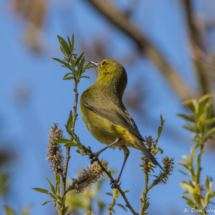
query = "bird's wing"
x=112 y=112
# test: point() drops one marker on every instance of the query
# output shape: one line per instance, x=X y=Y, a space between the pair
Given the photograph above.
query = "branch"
x=73 y=128
x=108 y=173
x=122 y=22
x=198 y=49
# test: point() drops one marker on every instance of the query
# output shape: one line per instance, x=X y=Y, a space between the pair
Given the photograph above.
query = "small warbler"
x=105 y=115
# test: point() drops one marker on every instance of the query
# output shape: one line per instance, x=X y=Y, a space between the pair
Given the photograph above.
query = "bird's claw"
x=115 y=183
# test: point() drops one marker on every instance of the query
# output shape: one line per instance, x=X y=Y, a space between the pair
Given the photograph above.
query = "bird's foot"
x=93 y=157
x=115 y=183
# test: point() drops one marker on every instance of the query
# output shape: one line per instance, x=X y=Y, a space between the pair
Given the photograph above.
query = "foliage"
x=23 y=211
x=201 y=124
x=149 y=167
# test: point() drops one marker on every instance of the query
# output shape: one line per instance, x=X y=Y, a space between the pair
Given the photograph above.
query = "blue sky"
x=26 y=123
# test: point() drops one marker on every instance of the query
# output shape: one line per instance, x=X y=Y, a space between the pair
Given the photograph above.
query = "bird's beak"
x=94 y=63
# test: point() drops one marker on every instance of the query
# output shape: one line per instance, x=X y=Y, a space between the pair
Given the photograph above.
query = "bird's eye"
x=103 y=63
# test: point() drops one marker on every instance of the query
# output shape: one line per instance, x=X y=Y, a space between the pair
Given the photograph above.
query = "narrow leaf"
x=51 y=186
x=208 y=134
x=47 y=202
x=65 y=76
x=192 y=104
x=9 y=210
x=205 y=97
x=210 y=121
x=40 y=190
x=123 y=207
x=69 y=78
x=81 y=65
x=57 y=177
x=79 y=59
x=190 y=128
x=70 y=121
x=110 y=194
x=189 y=118
x=72 y=144
x=63 y=141
x=85 y=77
x=64 y=45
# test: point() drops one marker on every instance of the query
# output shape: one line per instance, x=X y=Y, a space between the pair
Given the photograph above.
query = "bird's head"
x=110 y=68
x=111 y=74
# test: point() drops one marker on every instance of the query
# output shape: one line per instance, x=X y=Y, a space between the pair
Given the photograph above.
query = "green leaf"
x=183 y=172
x=208 y=134
x=200 y=109
x=64 y=63
x=161 y=120
x=85 y=77
x=64 y=45
x=192 y=128
x=66 y=209
x=63 y=141
x=53 y=196
x=189 y=118
x=90 y=67
x=40 y=190
x=57 y=177
x=9 y=210
x=47 y=202
x=123 y=207
x=79 y=59
x=208 y=111
x=146 y=206
x=110 y=194
x=210 y=121
x=159 y=131
x=73 y=43
x=188 y=187
x=192 y=104
x=74 y=136
x=70 y=121
x=212 y=195
x=70 y=45
x=113 y=210
x=65 y=76
x=205 y=97
x=186 y=159
x=63 y=50
x=81 y=65
x=189 y=201
x=201 y=123
x=60 y=200
x=195 y=194
x=69 y=78
x=207 y=183
x=126 y=191
x=192 y=155
x=71 y=144
x=52 y=187
x=87 y=66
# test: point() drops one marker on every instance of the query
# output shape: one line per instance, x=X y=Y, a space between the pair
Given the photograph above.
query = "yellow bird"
x=105 y=115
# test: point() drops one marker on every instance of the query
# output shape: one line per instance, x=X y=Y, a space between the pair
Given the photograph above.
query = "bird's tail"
x=145 y=151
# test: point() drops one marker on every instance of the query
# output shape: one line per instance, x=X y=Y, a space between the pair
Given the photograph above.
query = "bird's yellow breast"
x=104 y=130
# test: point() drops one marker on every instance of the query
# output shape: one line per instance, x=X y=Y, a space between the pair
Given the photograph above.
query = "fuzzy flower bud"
x=88 y=177
x=54 y=156
x=168 y=168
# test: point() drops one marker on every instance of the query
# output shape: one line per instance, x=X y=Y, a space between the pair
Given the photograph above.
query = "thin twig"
x=198 y=178
x=142 y=209
x=68 y=148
